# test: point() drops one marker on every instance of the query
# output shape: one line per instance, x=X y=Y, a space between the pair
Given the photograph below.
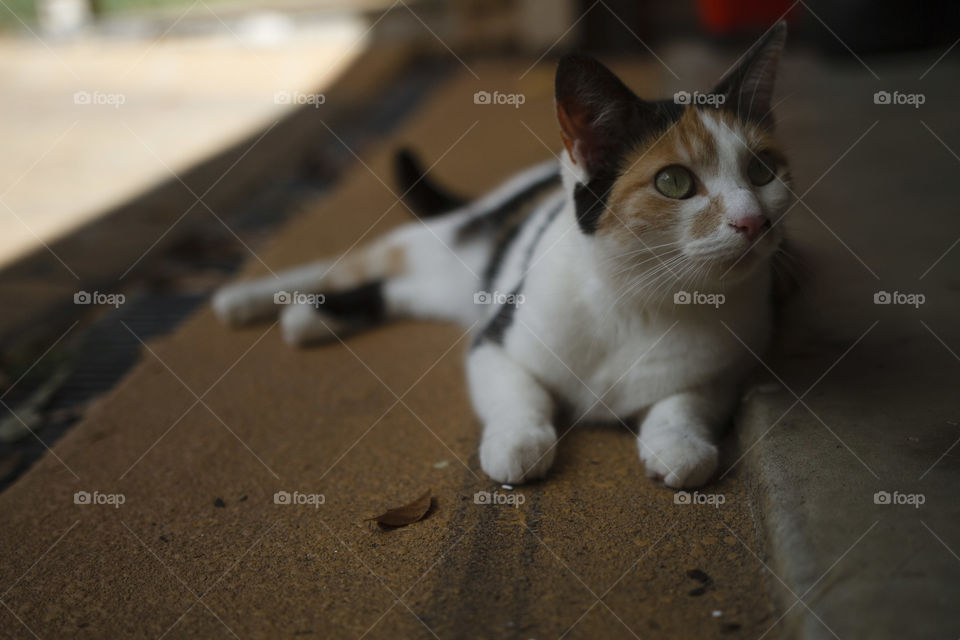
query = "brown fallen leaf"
x=407 y=514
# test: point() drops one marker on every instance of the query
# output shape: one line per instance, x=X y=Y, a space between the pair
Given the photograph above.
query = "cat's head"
x=674 y=192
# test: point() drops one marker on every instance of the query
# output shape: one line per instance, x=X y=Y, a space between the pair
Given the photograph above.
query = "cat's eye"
x=675 y=182
x=760 y=170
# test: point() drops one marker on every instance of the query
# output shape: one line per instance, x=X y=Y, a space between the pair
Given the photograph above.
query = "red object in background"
x=723 y=17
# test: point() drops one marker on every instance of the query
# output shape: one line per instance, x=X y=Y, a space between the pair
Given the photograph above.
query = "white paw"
x=301 y=324
x=517 y=454
x=239 y=304
x=682 y=459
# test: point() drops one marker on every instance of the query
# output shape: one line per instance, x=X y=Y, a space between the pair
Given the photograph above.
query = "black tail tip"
x=425 y=197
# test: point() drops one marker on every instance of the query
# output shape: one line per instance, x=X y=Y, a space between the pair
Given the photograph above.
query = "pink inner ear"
x=576 y=131
x=568 y=132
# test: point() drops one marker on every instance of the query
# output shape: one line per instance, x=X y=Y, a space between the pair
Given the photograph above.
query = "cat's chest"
x=615 y=370
x=643 y=368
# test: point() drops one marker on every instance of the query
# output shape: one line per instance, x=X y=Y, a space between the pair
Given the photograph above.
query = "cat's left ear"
x=748 y=88
x=596 y=112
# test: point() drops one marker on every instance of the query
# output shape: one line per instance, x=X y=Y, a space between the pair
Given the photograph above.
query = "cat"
x=582 y=274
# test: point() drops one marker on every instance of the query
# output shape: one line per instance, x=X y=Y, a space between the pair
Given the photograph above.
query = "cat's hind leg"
x=414 y=274
x=333 y=314
x=264 y=298
x=243 y=303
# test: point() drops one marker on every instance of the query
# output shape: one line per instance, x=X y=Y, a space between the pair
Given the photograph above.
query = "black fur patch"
x=502 y=320
x=503 y=245
x=363 y=303
x=495 y=218
x=590 y=200
x=532 y=247
x=499 y=253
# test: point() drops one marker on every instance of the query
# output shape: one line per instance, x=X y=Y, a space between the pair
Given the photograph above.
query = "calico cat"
x=590 y=261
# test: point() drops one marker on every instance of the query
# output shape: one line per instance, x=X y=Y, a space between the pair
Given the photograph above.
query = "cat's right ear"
x=593 y=106
x=748 y=88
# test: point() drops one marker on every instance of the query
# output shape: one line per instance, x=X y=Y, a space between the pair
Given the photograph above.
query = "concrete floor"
x=863 y=401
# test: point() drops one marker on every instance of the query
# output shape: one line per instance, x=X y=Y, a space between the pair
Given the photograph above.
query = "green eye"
x=675 y=182
x=760 y=171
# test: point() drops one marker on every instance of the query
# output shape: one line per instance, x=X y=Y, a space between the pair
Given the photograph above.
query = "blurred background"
x=151 y=145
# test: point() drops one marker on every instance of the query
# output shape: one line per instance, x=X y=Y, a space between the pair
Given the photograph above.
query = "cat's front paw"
x=682 y=460
x=518 y=454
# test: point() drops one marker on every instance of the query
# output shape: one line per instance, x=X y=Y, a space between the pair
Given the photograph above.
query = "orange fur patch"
x=708 y=218
x=634 y=195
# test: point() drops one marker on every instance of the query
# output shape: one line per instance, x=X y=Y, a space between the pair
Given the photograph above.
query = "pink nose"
x=750 y=226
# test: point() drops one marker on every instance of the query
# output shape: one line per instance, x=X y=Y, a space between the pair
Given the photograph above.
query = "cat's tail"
x=421 y=193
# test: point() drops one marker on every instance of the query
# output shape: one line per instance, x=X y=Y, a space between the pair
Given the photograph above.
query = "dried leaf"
x=407 y=514
x=699 y=575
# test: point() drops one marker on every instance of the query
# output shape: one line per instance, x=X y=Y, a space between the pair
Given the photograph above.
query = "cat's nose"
x=750 y=226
